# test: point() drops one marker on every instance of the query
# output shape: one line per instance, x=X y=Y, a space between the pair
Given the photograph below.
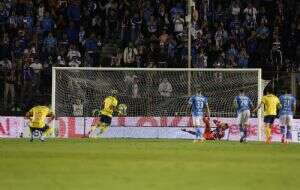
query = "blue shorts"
x=269 y=119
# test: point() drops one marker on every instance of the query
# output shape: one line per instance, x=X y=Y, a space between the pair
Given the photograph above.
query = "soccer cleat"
x=31 y=140
x=42 y=139
x=243 y=140
x=268 y=141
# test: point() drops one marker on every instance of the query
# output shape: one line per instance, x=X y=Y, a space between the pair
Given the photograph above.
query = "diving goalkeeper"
x=217 y=134
x=109 y=106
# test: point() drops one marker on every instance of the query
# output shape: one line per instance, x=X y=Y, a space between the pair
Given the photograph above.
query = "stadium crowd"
x=37 y=35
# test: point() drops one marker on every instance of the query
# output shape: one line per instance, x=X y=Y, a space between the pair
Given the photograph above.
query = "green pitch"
x=104 y=164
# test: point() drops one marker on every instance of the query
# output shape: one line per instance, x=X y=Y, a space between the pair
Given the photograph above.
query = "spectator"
x=73 y=11
x=128 y=80
x=163 y=38
x=219 y=37
x=136 y=24
x=201 y=60
x=74 y=57
x=72 y=33
x=48 y=23
x=91 y=50
x=165 y=88
x=116 y=60
x=243 y=59
x=50 y=44
x=178 y=24
x=73 y=53
x=125 y=28
x=177 y=11
x=61 y=61
x=141 y=58
x=152 y=25
x=152 y=56
x=9 y=88
x=232 y=52
x=6 y=64
x=224 y=34
x=78 y=108
x=163 y=17
x=250 y=12
x=28 y=77
x=37 y=68
x=235 y=8
x=130 y=54
x=220 y=62
x=262 y=31
x=135 y=88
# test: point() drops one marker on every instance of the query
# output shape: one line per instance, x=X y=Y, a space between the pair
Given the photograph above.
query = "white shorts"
x=243 y=117
x=286 y=120
x=198 y=121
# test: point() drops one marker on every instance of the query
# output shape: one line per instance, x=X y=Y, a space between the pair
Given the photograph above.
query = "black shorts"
x=269 y=119
x=105 y=119
x=45 y=128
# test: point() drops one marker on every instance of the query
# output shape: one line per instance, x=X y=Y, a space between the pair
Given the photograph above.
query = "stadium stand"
x=37 y=35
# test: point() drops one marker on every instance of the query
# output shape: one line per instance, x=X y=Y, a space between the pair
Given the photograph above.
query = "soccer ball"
x=36 y=134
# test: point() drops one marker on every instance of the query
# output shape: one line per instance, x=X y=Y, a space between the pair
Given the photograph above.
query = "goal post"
x=139 y=89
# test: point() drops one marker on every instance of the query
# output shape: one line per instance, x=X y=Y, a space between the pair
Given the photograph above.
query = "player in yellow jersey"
x=37 y=121
x=109 y=106
x=271 y=105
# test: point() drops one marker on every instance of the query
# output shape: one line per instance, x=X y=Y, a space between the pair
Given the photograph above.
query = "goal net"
x=152 y=92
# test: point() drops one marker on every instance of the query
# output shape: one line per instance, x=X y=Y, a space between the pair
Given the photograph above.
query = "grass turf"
x=147 y=164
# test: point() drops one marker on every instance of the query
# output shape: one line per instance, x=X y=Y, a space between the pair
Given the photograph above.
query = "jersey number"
x=199 y=104
x=244 y=103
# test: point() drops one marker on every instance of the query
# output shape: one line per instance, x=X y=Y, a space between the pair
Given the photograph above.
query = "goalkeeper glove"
x=122 y=109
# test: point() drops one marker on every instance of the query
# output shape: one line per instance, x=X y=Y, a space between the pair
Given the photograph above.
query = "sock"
x=199 y=133
x=241 y=130
x=283 y=132
x=48 y=132
x=288 y=133
x=245 y=133
x=268 y=133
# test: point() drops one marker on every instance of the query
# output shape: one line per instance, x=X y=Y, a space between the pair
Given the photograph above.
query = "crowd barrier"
x=138 y=127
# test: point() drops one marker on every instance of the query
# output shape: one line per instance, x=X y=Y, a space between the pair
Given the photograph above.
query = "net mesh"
x=151 y=92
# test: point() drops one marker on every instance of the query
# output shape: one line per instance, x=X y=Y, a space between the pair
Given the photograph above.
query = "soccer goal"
x=152 y=92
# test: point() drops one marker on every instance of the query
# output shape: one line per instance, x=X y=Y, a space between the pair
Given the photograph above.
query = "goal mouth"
x=152 y=92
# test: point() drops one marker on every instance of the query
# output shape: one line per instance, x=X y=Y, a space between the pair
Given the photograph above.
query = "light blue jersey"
x=198 y=103
x=243 y=103
x=287 y=102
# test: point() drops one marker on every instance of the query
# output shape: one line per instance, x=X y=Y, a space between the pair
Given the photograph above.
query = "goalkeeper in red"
x=109 y=106
x=211 y=134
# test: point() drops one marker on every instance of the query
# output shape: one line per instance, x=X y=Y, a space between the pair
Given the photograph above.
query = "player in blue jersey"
x=288 y=103
x=243 y=104
x=200 y=107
